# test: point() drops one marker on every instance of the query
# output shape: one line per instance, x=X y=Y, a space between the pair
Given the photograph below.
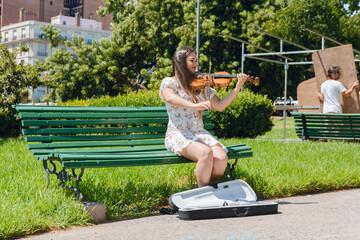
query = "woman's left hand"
x=241 y=80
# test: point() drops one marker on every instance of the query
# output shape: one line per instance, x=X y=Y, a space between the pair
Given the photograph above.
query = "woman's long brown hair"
x=181 y=72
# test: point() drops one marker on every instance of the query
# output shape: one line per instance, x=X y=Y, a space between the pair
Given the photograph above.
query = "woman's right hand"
x=202 y=105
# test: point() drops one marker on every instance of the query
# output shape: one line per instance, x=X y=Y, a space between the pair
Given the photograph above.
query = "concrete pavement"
x=334 y=215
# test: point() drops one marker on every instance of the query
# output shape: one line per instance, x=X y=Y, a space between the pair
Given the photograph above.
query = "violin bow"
x=209 y=76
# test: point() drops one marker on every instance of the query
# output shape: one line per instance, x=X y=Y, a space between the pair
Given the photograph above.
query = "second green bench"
x=315 y=126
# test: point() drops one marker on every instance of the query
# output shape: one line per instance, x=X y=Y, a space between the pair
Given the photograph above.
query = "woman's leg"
x=220 y=161
x=203 y=155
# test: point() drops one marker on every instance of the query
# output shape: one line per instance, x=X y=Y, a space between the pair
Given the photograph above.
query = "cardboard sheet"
x=343 y=57
x=306 y=95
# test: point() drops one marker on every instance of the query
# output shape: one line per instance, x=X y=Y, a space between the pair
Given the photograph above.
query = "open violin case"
x=227 y=199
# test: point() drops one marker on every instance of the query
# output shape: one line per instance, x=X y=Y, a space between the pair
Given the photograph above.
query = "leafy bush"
x=131 y=99
x=247 y=116
x=9 y=125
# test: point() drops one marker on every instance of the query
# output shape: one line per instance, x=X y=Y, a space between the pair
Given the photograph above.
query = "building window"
x=51 y=3
x=63 y=35
x=90 y=38
x=23 y=34
x=6 y=37
x=41 y=50
x=14 y=35
x=64 y=22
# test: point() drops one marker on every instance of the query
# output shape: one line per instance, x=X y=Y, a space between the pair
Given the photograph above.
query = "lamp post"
x=198 y=34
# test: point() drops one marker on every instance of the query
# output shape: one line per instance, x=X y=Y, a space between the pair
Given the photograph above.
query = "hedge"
x=248 y=116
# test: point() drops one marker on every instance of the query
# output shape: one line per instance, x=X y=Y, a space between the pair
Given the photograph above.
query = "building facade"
x=15 y=11
x=29 y=33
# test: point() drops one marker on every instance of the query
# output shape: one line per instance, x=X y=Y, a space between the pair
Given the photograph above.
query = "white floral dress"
x=185 y=124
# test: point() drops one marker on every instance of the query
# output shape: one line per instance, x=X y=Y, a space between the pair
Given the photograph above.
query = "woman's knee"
x=220 y=156
x=205 y=153
x=220 y=163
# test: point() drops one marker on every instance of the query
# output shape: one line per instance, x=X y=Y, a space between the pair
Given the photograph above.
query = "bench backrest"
x=57 y=127
x=327 y=126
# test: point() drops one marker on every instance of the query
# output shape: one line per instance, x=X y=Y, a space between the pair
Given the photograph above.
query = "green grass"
x=277 y=169
x=277 y=132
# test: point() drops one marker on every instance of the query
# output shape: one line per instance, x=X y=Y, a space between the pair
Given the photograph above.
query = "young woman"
x=186 y=135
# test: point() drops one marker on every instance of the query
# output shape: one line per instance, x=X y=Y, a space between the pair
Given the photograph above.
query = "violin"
x=218 y=79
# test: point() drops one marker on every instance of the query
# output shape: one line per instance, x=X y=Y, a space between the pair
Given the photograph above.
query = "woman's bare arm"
x=171 y=97
x=220 y=104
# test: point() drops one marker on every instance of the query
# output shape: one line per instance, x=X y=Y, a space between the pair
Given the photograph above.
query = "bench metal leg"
x=64 y=176
x=231 y=169
x=78 y=179
x=47 y=171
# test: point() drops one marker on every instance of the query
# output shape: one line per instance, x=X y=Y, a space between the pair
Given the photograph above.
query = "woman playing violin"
x=186 y=135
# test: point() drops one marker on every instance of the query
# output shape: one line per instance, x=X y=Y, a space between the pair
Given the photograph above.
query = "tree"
x=147 y=32
x=81 y=70
x=284 y=18
x=14 y=78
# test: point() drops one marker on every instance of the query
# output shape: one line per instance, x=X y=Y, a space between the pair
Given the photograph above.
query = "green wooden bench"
x=93 y=137
x=316 y=126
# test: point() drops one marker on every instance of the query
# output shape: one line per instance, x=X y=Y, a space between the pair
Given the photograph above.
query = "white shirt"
x=331 y=90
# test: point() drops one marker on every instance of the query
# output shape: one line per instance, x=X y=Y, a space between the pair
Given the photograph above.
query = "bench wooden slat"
x=77 y=138
x=92 y=122
x=324 y=122
x=343 y=130
x=137 y=155
x=79 y=130
x=124 y=163
x=71 y=130
x=95 y=144
x=129 y=150
x=30 y=108
x=100 y=150
x=140 y=162
x=27 y=123
x=105 y=115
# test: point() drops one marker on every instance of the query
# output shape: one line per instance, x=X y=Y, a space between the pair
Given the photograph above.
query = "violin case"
x=227 y=199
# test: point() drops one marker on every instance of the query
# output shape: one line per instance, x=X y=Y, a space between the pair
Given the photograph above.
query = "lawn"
x=277 y=169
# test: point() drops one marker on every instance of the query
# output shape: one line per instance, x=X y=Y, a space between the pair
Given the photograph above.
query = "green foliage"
x=53 y=34
x=164 y=69
x=143 y=32
x=284 y=18
x=14 y=78
x=83 y=70
x=80 y=72
x=131 y=99
x=248 y=116
x=9 y=124
x=148 y=32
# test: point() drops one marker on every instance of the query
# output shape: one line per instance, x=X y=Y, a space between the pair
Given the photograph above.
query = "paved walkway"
x=334 y=215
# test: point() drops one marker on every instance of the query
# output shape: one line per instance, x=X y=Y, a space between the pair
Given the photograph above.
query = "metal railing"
x=294 y=107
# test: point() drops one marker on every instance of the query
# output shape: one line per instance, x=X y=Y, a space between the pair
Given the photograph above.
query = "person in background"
x=185 y=134
x=331 y=90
